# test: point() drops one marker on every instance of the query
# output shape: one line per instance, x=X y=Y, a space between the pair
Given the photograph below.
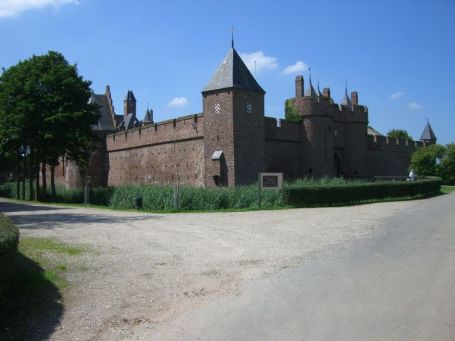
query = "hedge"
x=9 y=238
x=300 y=193
x=359 y=192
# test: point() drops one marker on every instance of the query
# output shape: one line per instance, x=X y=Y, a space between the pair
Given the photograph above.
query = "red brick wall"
x=158 y=153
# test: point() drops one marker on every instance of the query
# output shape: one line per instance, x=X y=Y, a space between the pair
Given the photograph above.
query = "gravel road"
x=145 y=270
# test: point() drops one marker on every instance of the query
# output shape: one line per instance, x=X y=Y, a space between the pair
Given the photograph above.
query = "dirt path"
x=146 y=269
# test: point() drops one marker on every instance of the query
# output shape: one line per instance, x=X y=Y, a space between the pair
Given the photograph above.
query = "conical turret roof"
x=233 y=73
x=428 y=134
x=148 y=117
x=310 y=92
x=346 y=100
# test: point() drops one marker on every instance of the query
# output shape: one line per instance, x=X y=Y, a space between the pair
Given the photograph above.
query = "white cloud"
x=9 y=8
x=396 y=95
x=299 y=66
x=262 y=61
x=178 y=102
x=414 y=106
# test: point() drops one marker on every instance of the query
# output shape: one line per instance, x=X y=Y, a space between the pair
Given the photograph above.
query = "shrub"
x=6 y=191
x=9 y=238
x=359 y=192
x=447 y=167
x=299 y=193
x=423 y=160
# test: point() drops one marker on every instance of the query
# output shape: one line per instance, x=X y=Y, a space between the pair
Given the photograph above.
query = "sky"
x=398 y=55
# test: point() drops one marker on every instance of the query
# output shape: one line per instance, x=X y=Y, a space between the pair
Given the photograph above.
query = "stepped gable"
x=105 y=122
x=428 y=133
x=233 y=73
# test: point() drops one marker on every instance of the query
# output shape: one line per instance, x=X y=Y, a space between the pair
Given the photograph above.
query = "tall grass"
x=299 y=193
x=158 y=198
x=63 y=195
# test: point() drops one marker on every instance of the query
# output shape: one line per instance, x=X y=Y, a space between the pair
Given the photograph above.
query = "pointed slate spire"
x=310 y=92
x=233 y=73
x=319 y=91
x=428 y=135
x=346 y=100
x=130 y=96
x=148 y=117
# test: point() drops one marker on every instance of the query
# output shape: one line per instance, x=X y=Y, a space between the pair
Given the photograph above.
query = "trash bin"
x=138 y=201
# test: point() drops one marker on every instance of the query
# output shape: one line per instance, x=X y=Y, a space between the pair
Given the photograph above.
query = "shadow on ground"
x=32 y=308
x=58 y=219
x=16 y=207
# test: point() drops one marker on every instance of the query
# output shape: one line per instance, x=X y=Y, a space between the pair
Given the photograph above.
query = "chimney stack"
x=354 y=98
x=326 y=92
x=299 y=86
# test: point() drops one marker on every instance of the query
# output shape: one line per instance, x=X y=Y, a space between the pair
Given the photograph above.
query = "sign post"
x=269 y=181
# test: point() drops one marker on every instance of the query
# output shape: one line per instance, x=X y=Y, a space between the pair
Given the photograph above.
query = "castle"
x=232 y=140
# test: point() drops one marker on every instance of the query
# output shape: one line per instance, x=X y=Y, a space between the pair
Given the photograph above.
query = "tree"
x=423 y=160
x=447 y=166
x=44 y=106
x=399 y=134
x=290 y=112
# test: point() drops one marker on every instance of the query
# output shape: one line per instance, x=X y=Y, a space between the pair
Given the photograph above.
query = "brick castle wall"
x=158 y=153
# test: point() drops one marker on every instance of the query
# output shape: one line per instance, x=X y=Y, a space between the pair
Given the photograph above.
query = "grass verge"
x=34 y=303
x=447 y=189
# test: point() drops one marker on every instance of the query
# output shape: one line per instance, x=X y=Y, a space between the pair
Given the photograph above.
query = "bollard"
x=138 y=201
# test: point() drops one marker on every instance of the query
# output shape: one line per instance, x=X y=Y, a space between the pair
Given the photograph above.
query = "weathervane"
x=232 y=37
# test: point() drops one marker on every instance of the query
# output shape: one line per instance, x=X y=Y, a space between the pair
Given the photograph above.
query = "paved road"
x=397 y=286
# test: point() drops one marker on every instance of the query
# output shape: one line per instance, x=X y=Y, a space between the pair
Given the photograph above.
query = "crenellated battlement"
x=384 y=143
x=350 y=114
x=323 y=105
x=170 y=131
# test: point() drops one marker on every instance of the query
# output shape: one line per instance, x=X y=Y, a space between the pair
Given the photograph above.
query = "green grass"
x=447 y=189
x=314 y=193
x=34 y=304
x=45 y=251
x=28 y=245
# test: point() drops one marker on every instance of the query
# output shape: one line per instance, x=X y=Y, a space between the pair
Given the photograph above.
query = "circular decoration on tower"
x=217 y=108
x=249 y=108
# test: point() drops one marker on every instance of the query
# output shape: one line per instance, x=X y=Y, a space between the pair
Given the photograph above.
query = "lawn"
x=34 y=304
x=447 y=189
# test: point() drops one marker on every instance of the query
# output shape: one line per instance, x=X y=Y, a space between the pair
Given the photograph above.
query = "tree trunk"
x=53 y=182
x=30 y=181
x=24 y=171
x=37 y=189
x=44 y=182
x=18 y=176
x=31 y=162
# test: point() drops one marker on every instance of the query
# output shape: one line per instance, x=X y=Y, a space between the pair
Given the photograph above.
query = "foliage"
x=9 y=238
x=447 y=166
x=44 y=106
x=399 y=134
x=158 y=198
x=299 y=193
x=343 y=194
x=290 y=111
x=63 y=195
x=423 y=160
